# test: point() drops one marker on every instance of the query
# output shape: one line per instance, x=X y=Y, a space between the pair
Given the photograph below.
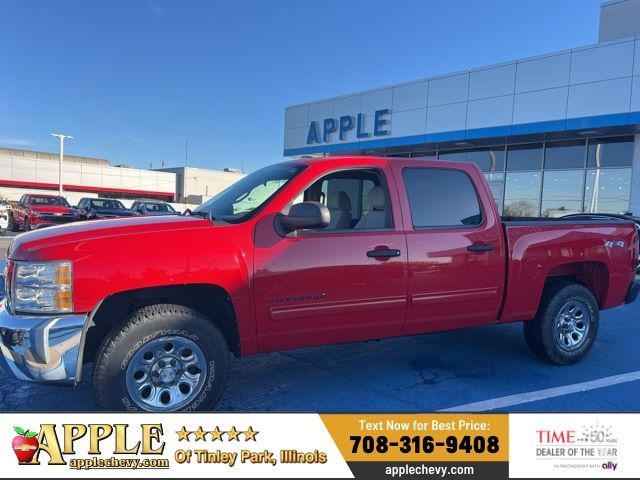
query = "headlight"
x=42 y=287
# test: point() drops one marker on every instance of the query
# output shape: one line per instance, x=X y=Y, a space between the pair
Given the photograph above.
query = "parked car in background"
x=153 y=208
x=598 y=216
x=37 y=211
x=4 y=217
x=92 y=208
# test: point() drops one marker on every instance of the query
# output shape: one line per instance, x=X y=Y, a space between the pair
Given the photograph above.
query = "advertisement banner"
x=279 y=445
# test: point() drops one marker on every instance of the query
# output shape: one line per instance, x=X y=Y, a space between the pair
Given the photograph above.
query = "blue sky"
x=132 y=79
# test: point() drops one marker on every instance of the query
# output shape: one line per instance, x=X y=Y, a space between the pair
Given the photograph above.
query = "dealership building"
x=196 y=185
x=554 y=134
x=26 y=171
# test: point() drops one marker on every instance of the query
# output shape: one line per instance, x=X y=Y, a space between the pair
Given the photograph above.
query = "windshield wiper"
x=206 y=215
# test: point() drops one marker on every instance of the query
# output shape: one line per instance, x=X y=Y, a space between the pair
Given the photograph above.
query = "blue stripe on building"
x=568 y=125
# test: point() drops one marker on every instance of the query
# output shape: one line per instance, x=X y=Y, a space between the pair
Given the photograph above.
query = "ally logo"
x=25 y=444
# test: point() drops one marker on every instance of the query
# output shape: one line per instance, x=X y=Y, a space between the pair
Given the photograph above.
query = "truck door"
x=342 y=283
x=455 y=247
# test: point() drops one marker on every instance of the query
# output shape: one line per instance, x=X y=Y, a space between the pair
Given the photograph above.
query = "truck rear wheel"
x=161 y=358
x=566 y=325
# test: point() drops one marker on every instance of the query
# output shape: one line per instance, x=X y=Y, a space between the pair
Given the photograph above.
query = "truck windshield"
x=238 y=202
x=159 y=207
x=49 y=201
x=106 y=205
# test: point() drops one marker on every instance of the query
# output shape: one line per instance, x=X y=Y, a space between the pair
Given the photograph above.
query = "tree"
x=521 y=208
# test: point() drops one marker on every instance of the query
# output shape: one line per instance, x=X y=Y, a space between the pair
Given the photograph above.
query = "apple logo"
x=25 y=444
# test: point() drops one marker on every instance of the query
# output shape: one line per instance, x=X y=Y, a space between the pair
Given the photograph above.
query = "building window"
x=562 y=192
x=488 y=159
x=423 y=155
x=564 y=155
x=496 y=184
x=441 y=198
x=610 y=152
x=552 y=179
x=607 y=190
x=524 y=157
x=522 y=194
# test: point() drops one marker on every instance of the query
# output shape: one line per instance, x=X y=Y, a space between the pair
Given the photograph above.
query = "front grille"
x=53 y=218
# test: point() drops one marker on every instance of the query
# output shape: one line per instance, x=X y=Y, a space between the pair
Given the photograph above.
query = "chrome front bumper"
x=42 y=348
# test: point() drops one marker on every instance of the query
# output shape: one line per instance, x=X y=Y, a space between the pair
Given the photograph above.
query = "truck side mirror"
x=302 y=216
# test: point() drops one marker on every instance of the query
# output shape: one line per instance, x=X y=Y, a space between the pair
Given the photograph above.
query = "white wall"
x=208 y=183
x=37 y=170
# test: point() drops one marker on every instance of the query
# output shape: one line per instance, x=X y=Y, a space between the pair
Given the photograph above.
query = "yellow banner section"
x=420 y=437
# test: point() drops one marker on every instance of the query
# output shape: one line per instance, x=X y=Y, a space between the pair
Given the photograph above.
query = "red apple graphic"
x=25 y=444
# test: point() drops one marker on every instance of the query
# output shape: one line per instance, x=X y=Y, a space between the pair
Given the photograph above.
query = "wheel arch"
x=592 y=275
x=211 y=300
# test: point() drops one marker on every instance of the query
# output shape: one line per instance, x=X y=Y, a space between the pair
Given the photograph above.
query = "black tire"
x=154 y=324
x=542 y=334
x=12 y=224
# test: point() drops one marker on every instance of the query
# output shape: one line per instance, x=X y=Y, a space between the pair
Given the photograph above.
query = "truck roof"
x=356 y=160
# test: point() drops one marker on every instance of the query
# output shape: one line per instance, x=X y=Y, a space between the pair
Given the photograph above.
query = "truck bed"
x=601 y=254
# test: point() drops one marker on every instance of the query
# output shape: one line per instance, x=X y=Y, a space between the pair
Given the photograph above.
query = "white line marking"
x=520 y=398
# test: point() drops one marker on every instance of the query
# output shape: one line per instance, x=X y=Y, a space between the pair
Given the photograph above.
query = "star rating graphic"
x=183 y=434
x=233 y=434
x=200 y=433
x=216 y=434
x=250 y=434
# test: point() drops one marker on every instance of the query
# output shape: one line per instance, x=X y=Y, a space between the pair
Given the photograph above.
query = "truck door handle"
x=481 y=247
x=383 y=253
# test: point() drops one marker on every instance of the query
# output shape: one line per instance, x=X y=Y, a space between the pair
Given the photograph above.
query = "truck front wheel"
x=566 y=325
x=161 y=358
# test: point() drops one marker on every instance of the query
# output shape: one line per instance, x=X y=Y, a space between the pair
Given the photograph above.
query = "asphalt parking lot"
x=482 y=369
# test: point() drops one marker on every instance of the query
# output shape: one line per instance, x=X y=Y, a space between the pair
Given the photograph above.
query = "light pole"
x=61 y=137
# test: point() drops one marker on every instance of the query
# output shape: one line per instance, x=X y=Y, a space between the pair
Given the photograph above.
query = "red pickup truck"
x=36 y=211
x=308 y=252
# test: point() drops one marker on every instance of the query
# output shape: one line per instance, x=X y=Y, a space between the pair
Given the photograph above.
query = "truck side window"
x=441 y=197
x=346 y=195
x=367 y=185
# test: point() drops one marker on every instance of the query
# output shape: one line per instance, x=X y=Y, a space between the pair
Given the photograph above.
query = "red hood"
x=51 y=209
x=26 y=243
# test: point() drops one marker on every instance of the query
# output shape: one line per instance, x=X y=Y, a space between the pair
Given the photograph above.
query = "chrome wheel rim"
x=166 y=374
x=572 y=325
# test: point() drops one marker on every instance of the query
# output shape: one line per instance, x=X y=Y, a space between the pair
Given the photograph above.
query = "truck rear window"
x=440 y=197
